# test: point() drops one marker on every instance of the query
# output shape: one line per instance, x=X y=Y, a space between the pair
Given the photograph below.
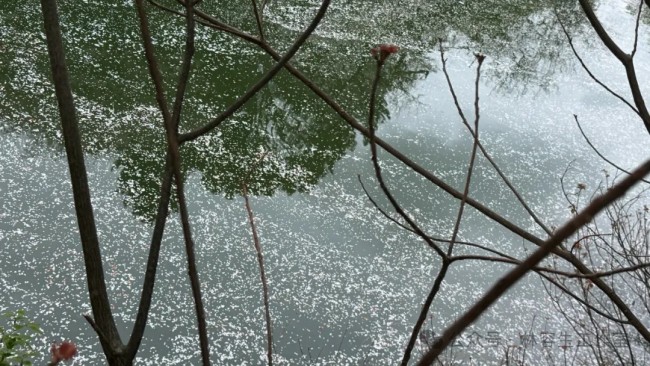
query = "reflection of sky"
x=546 y=119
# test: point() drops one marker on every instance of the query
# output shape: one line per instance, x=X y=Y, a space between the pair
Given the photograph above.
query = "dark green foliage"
x=17 y=332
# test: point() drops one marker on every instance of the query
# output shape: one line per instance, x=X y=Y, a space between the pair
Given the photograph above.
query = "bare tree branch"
x=171 y=127
x=377 y=167
x=262 y=81
x=599 y=153
x=579 y=299
x=258 y=20
x=551 y=270
x=517 y=273
x=260 y=261
x=602 y=33
x=586 y=68
x=624 y=58
x=636 y=28
x=446 y=262
x=363 y=130
x=484 y=152
x=436 y=239
x=152 y=262
x=568 y=256
x=616 y=300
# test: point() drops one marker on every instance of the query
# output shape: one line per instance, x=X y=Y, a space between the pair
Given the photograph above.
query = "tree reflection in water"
x=303 y=138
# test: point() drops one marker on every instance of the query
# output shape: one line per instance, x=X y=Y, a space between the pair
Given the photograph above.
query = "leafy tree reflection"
x=302 y=137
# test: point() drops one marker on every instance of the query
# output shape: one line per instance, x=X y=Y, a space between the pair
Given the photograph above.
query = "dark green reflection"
x=300 y=136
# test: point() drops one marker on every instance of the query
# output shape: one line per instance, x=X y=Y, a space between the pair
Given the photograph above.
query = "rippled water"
x=346 y=284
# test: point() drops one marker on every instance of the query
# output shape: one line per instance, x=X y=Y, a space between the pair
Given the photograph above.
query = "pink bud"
x=63 y=351
x=382 y=51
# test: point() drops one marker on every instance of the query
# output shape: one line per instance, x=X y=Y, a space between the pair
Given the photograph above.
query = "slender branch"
x=258 y=20
x=551 y=270
x=265 y=286
x=598 y=152
x=435 y=288
x=173 y=148
x=152 y=262
x=110 y=341
x=517 y=273
x=636 y=29
x=602 y=33
x=626 y=60
x=377 y=167
x=210 y=22
x=215 y=23
x=186 y=65
x=586 y=68
x=154 y=69
x=389 y=217
x=508 y=259
x=611 y=294
x=484 y=152
x=384 y=145
x=604 y=273
x=437 y=239
x=470 y=168
x=582 y=301
x=173 y=143
x=445 y=263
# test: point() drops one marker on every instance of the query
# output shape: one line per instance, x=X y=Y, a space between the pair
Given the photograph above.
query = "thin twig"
x=377 y=167
x=437 y=239
x=599 y=153
x=588 y=70
x=217 y=24
x=636 y=29
x=551 y=270
x=258 y=20
x=265 y=286
x=484 y=152
x=405 y=227
x=445 y=263
x=213 y=23
x=580 y=300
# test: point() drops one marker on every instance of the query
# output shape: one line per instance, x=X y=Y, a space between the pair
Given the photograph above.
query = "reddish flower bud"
x=480 y=57
x=381 y=52
x=63 y=351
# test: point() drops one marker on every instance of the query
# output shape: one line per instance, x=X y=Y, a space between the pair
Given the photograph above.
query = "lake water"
x=346 y=284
